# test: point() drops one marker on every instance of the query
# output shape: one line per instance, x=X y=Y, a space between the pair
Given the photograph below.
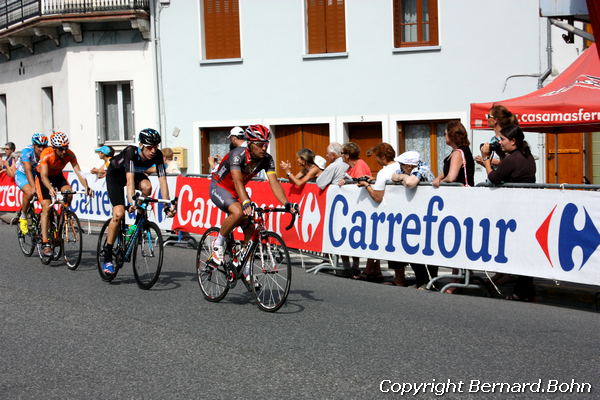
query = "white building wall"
x=72 y=72
x=481 y=45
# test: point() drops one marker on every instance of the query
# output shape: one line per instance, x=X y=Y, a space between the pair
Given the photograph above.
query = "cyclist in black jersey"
x=127 y=169
x=228 y=185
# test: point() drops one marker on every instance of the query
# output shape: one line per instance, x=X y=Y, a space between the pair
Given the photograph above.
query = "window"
x=221 y=29
x=115 y=112
x=415 y=23
x=3 y=119
x=428 y=139
x=47 y=109
x=326 y=26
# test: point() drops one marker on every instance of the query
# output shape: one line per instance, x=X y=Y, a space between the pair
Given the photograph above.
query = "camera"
x=494 y=146
x=361 y=179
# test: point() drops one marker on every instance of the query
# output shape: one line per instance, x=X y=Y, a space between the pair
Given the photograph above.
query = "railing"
x=16 y=11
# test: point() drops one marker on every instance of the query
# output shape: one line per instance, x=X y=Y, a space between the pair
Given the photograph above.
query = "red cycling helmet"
x=257 y=133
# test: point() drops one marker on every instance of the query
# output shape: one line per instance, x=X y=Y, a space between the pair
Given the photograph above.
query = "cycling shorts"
x=21 y=179
x=57 y=181
x=221 y=197
x=115 y=183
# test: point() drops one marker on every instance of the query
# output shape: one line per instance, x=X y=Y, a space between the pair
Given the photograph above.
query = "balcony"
x=21 y=21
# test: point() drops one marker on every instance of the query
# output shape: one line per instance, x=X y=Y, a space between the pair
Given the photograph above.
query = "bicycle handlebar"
x=62 y=194
x=137 y=197
x=278 y=209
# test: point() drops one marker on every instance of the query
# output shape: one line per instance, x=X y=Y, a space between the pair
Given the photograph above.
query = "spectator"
x=498 y=117
x=105 y=153
x=517 y=166
x=8 y=162
x=237 y=138
x=309 y=170
x=384 y=154
x=357 y=168
x=459 y=165
x=172 y=168
x=336 y=169
x=412 y=171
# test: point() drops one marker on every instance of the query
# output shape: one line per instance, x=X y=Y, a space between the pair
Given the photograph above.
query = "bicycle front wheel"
x=211 y=278
x=27 y=240
x=148 y=255
x=71 y=240
x=270 y=272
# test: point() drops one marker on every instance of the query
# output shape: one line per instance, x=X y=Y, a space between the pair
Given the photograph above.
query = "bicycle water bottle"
x=129 y=232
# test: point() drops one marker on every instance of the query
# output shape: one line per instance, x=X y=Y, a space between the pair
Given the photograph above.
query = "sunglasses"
x=7 y=148
x=62 y=148
x=150 y=147
x=489 y=116
x=264 y=145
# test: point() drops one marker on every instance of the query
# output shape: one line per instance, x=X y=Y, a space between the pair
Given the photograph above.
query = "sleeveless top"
x=460 y=178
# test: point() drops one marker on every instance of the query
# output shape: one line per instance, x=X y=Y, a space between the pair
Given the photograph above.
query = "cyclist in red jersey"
x=50 y=169
x=228 y=185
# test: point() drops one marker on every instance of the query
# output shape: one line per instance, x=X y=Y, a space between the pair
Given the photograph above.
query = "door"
x=291 y=138
x=213 y=141
x=366 y=135
x=571 y=158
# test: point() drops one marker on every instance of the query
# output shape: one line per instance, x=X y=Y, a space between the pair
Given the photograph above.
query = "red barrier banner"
x=10 y=194
x=196 y=213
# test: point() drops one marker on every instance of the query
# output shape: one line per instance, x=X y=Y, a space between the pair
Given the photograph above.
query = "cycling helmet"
x=39 y=139
x=257 y=133
x=59 y=139
x=149 y=137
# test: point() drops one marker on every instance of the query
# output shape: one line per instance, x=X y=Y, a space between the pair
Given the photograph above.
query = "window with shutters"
x=115 y=111
x=221 y=27
x=415 y=23
x=326 y=26
x=426 y=137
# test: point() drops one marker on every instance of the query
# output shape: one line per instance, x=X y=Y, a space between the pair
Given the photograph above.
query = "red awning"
x=570 y=103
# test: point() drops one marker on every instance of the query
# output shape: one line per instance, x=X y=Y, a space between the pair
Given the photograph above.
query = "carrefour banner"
x=196 y=213
x=543 y=233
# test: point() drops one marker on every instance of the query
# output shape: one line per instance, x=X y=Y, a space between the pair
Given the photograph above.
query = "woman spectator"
x=459 y=165
x=498 y=117
x=105 y=153
x=517 y=166
x=358 y=168
x=309 y=170
x=8 y=164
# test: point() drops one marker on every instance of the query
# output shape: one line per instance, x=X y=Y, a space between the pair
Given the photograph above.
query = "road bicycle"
x=141 y=243
x=263 y=264
x=29 y=240
x=64 y=232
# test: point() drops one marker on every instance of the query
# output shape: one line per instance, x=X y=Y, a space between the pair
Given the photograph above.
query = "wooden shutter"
x=221 y=29
x=366 y=136
x=291 y=138
x=326 y=25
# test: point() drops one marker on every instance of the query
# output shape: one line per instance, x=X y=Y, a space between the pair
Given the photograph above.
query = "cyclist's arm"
x=29 y=173
x=44 y=177
x=82 y=179
x=130 y=186
x=276 y=187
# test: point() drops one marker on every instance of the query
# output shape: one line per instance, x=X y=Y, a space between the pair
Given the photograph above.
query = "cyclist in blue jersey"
x=25 y=174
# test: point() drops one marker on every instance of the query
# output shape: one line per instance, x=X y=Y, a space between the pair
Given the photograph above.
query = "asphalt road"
x=68 y=335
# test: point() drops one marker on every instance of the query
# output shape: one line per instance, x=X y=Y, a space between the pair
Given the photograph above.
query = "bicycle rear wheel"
x=117 y=255
x=71 y=240
x=27 y=241
x=53 y=238
x=211 y=278
x=270 y=272
x=148 y=263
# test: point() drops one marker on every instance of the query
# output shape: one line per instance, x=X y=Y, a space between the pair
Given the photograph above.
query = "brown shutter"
x=433 y=23
x=315 y=15
x=221 y=29
x=397 y=23
x=335 y=18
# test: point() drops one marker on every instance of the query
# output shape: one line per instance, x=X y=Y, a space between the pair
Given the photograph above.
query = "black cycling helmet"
x=149 y=137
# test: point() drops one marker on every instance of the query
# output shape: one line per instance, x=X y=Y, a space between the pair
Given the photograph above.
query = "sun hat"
x=320 y=162
x=409 y=158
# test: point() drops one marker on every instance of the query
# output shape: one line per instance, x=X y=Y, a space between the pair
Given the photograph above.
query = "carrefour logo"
x=311 y=217
x=576 y=241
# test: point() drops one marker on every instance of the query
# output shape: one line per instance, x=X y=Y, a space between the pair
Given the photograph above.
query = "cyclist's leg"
x=228 y=204
x=44 y=197
x=23 y=183
x=114 y=188
x=143 y=184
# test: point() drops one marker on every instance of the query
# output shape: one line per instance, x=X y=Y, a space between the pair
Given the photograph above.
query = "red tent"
x=570 y=103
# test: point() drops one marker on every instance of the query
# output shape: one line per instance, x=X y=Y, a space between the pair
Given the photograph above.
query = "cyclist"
x=227 y=186
x=50 y=175
x=127 y=169
x=26 y=173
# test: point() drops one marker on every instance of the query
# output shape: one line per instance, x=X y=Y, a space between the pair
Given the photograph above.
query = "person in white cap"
x=412 y=170
x=236 y=139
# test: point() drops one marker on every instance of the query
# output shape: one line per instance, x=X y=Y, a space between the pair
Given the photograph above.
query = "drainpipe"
x=155 y=26
x=548 y=70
